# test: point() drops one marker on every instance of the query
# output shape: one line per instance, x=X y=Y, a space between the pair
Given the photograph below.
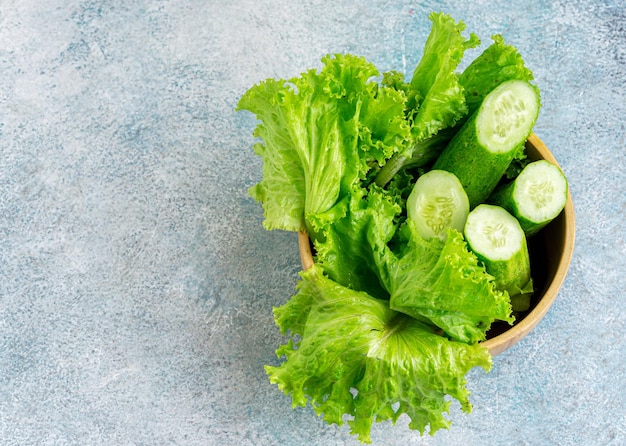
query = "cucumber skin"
x=520 y=302
x=478 y=169
x=512 y=275
x=503 y=197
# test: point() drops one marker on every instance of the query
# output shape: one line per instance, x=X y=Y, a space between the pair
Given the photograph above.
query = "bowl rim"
x=517 y=332
x=512 y=336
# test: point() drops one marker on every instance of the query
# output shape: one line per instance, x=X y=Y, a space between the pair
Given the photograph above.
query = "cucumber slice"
x=507 y=116
x=481 y=151
x=497 y=239
x=536 y=197
x=436 y=203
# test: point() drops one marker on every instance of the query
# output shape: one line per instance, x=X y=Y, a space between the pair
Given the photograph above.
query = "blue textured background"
x=136 y=281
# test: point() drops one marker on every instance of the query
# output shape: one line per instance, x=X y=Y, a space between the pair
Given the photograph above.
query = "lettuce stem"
x=422 y=154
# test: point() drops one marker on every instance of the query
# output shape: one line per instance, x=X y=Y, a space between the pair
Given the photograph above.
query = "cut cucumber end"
x=507 y=116
x=436 y=203
x=497 y=239
x=493 y=233
x=540 y=192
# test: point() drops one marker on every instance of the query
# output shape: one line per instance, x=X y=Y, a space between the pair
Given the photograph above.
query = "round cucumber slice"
x=493 y=233
x=497 y=239
x=436 y=203
x=540 y=191
x=536 y=197
x=507 y=115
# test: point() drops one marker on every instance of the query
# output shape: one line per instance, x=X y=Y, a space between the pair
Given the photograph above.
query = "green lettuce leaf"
x=444 y=283
x=351 y=235
x=435 y=79
x=498 y=63
x=435 y=98
x=439 y=283
x=320 y=133
x=353 y=358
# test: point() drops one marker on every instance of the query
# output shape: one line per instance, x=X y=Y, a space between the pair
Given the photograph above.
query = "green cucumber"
x=436 y=203
x=499 y=242
x=536 y=197
x=482 y=150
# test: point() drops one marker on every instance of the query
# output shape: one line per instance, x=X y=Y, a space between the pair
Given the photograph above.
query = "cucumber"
x=481 y=151
x=499 y=242
x=536 y=197
x=436 y=203
x=521 y=302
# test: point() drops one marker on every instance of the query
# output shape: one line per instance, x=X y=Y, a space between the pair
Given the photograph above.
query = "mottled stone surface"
x=136 y=280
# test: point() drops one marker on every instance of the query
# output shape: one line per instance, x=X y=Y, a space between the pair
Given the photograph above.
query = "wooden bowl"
x=551 y=253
